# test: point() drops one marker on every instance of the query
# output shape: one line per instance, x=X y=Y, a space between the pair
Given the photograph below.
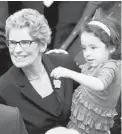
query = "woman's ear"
x=42 y=47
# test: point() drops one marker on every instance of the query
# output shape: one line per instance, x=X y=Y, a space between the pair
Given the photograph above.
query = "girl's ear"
x=42 y=47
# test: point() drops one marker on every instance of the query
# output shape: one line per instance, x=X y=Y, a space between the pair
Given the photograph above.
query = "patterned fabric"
x=92 y=112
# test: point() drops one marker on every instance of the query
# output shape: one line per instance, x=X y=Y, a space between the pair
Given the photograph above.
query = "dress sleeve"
x=107 y=73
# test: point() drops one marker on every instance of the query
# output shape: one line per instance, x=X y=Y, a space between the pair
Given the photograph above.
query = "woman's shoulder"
x=60 y=57
x=64 y=60
x=7 y=77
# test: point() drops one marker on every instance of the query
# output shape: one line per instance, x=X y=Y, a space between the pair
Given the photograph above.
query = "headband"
x=101 y=25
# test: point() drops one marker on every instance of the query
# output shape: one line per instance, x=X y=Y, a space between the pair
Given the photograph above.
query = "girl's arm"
x=88 y=81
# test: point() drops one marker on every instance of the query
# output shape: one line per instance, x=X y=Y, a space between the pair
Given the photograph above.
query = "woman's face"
x=23 y=57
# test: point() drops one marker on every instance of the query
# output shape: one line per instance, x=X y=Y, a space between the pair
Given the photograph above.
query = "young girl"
x=94 y=101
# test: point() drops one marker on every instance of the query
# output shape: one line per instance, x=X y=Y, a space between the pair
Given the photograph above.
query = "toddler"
x=94 y=101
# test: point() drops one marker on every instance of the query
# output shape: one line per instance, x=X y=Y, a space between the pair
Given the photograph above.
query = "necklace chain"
x=37 y=76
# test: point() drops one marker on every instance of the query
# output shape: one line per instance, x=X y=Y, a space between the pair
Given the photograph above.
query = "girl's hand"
x=57 y=51
x=60 y=72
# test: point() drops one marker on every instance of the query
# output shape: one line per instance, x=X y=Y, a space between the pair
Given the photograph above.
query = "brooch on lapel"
x=57 y=83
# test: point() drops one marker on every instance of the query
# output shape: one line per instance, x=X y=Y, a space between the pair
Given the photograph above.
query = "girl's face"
x=94 y=50
x=23 y=57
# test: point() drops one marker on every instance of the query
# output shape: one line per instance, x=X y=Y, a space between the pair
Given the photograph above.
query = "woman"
x=43 y=101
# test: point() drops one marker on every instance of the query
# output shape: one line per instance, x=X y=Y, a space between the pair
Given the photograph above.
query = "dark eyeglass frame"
x=29 y=42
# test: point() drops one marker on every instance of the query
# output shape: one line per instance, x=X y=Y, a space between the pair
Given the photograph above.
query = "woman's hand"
x=60 y=72
x=57 y=51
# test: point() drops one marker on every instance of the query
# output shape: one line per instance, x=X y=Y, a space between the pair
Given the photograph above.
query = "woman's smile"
x=20 y=58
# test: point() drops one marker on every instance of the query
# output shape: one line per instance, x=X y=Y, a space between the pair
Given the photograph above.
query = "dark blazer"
x=11 y=121
x=39 y=114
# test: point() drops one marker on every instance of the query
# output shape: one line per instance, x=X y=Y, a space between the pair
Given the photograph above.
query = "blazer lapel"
x=26 y=88
x=28 y=91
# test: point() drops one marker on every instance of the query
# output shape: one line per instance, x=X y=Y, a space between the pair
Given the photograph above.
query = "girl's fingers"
x=56 y=77
x=54 y=73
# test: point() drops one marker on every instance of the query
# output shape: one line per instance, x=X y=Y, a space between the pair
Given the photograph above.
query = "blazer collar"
x=28 y=91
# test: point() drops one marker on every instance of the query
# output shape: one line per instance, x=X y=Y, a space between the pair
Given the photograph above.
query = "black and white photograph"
x=60 y=67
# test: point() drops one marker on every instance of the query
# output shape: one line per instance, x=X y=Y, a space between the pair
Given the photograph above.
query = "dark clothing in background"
x=14 y=6
x=11 y=121
x=5 y=61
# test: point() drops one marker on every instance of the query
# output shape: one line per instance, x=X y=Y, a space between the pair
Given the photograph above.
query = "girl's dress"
x=92 y=112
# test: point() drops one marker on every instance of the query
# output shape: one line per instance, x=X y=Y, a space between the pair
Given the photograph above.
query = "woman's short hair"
x=33 y=20
x=115 y=33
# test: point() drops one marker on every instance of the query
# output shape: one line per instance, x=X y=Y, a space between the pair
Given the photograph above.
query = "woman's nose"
x=18 y=48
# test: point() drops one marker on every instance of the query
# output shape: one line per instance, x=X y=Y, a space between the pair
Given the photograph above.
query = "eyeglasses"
x=23 y=43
